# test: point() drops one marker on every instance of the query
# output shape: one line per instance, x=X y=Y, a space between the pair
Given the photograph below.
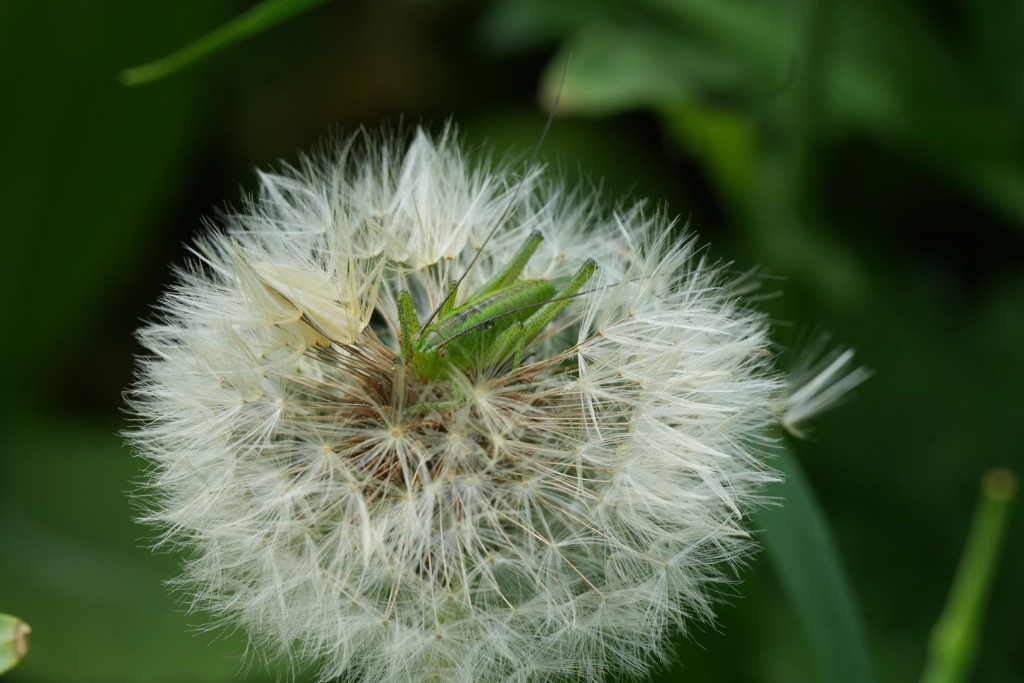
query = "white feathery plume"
x=556 y=520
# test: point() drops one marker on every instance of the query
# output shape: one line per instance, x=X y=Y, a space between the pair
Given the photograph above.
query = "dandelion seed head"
x=553 y=520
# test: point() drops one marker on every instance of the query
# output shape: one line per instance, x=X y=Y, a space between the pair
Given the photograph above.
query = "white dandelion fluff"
x=397 y=500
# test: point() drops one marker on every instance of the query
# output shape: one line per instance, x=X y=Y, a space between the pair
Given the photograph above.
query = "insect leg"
x=516 y=337
x=509 y=273
x=504 y=277
x=449 y=301
x=408 y=324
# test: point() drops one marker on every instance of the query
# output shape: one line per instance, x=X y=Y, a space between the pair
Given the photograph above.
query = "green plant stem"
x=954 y=640
x=258 y=19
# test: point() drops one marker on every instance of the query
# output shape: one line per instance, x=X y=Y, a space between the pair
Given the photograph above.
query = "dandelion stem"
x=954 y=639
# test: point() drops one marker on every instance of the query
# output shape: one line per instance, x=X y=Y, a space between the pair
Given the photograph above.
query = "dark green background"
x=872 y=153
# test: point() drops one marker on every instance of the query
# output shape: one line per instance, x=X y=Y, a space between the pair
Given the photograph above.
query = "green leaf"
x=751 y=32
x=518 y=25
x=798 y=542
x=725 y=139
x=13 y=641
x=260 y=18
x=618 y=66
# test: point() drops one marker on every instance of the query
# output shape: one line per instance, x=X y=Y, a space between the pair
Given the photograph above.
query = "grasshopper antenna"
x=511 y=203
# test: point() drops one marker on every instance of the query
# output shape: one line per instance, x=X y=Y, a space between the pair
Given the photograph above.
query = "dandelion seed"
x=536 y=505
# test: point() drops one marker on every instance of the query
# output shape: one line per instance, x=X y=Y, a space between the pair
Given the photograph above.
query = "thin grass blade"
x=798 y=541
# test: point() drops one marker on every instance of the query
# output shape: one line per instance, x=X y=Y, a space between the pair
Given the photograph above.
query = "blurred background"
x=869 y=153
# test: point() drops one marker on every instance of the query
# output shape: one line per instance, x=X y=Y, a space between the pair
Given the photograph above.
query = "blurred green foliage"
x=870 y=152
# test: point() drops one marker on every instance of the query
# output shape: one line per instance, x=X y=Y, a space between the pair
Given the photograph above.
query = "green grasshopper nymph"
x=500 y=318
x=494 y=326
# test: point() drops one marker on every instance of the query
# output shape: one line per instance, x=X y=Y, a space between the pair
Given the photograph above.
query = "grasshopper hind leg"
x=513 y=341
